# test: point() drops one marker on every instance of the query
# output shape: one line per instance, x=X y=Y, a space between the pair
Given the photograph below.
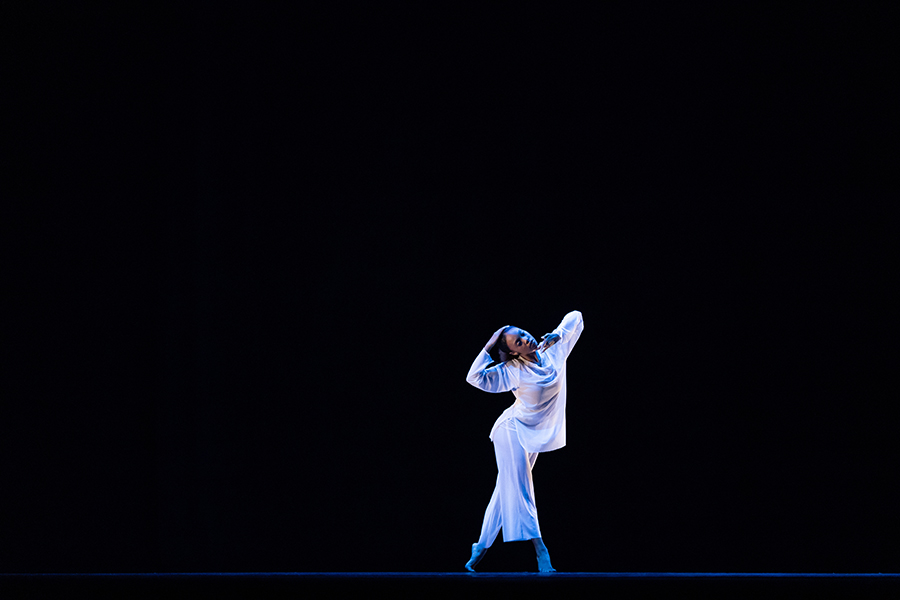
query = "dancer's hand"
x=494 y=338
x=547 y=340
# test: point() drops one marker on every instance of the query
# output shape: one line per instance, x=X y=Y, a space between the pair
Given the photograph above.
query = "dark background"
x=256 y=250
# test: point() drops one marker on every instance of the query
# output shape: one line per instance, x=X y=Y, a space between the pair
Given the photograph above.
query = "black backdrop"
x=257 y=251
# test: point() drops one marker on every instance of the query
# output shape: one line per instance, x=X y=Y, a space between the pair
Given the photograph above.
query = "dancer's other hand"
x=547 y=340
x=494 y=338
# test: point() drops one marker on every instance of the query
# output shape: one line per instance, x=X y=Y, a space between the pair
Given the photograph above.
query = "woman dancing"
x=536 y=422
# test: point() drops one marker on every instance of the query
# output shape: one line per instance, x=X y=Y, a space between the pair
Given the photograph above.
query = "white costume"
x=536 y=422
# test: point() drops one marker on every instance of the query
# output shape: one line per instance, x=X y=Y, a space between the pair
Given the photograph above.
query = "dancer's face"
x=520 y=341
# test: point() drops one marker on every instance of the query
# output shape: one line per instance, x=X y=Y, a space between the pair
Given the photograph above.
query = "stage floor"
x=417 y=584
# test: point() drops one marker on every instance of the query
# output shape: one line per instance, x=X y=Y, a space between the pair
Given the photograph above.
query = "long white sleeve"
x=569 y=330
x=498 y=378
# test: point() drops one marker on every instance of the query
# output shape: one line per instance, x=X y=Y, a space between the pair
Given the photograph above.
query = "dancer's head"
x=514 y=342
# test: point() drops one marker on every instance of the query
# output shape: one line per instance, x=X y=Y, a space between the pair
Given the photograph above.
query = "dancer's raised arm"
x=569 y=330
x=499 y=378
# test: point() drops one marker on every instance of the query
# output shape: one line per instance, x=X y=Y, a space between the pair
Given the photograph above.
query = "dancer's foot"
x=477 y=555
x=543 y=556
x=544 y=565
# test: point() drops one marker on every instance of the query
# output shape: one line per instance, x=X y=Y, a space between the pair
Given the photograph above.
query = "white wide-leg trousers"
x=512 y=505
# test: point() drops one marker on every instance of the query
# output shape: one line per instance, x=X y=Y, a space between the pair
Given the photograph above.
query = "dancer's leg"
x=518 y=512
x=490 y=527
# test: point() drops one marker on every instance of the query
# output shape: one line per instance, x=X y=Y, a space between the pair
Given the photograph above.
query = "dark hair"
x=501 y=348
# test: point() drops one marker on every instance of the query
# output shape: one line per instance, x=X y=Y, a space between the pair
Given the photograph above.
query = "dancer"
x=536 y=422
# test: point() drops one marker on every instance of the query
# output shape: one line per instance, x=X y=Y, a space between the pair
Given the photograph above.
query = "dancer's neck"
x=533 y=357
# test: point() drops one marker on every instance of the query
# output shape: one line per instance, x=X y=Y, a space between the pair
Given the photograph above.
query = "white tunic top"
x=539 y=411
